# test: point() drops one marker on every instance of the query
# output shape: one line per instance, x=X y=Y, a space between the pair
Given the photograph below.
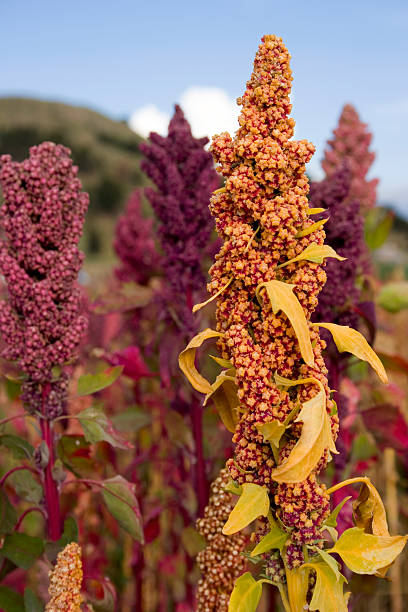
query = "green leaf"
x=331 y=520
x=177 y=429
x=18 y=446
x=31 y=602
x=98 y=428
x=22 y=549
x=394 y=296
x=91 y=383
x=70 y=534
x=364 y=553
x=13 y=388
x=276 y=538
x=8 y=515
x=120 y=499
x=377 y=226
x=233 y=487
x=246 y=594
x=26 y=486
x=363 y=448
x=10 y=601
x=254 y=502
x=74 y=452
x=193 y=541
x=328 y=595
x=131 y=420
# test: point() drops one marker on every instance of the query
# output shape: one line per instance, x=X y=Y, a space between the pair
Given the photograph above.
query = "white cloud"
x=209 y=111
x=149 y=119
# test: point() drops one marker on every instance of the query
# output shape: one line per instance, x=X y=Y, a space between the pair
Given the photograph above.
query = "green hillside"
x=106 y=151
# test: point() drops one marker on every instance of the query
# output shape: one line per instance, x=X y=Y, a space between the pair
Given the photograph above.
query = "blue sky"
x=119 y=56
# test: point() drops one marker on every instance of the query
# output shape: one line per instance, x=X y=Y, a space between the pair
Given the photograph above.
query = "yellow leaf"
x=282 y=298
x=328 y=595
x=213 y=297
x=311 y=228
x=316 y=253
x=315 y=211
x=369 y=511
x=276 y=538
x=187 y=359
x=350 y=340
x=224 y=363
x=364 y=553
x=281 y=381
x=272 y=431
x=314 y=440
x=298 y=586
x=246 y=594
x=224 y=393
x=254 y=502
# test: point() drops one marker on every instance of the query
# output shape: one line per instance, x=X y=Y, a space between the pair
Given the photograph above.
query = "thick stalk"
x=51 y=494
x=393 y=516
x=201 y=481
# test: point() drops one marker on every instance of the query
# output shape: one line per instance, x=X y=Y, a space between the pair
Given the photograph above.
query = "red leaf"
x=133 y=365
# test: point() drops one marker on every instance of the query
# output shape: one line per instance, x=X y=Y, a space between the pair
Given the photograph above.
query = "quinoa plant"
x=42 y=323
x=273 y=392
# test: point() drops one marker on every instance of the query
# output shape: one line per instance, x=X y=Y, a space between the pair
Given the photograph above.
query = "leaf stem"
x=20 y=415
x=22 y=517
x=16 y=469
x=340 y=485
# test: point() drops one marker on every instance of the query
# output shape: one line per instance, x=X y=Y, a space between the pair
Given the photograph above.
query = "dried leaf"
x=213 y=297
x=224 y=393
x=350 y=340
x=312 y=228
x=328 y=592
x=187 y=359
x=282 y=298
x=276 y=538
x=314 y=440
x=253 y=502
x=316 y=253
x=246 y=594
x=224 y=363
x=364 y=553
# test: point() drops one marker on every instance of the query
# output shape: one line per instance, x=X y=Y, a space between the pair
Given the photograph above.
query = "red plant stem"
x=20 y=415
x=201 y=481
x=22 y=517
x=52 y=504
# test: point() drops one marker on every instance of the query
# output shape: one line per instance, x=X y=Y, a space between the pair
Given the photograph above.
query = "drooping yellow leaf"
x=253 y=502
x=365 y=553
x=276 y=538
x=369 y=511
x=369 y=514
x=224 y=393
x=316 y=253
x=213 y=297
x=282 y=298
x=312 y=228
x=187 y=359
x=246 y=594
x=315 y=211
x=350 y=340
x=328 y=595
x=314 y=440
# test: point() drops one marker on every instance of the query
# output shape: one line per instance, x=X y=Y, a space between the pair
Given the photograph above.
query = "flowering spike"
x=351 y=141
x=66 y=581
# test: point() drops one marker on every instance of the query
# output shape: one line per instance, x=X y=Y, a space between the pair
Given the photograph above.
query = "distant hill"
x=106 y=151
